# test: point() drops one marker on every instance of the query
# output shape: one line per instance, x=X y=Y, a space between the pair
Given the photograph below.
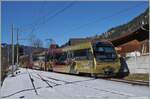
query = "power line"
x=50 y=17
x=45 y=19
x=30 y=25
x=104 y=18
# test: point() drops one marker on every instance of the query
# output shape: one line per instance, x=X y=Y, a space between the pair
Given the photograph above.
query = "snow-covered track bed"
x=50 y=85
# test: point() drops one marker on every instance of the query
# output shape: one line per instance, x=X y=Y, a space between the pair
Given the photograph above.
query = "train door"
x=48 y=62
x=60 y=62
x=71 y=63
x=84 y=60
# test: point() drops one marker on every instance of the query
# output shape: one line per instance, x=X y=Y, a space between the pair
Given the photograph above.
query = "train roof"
x=102 y=43
x=55 y=51
x=77 y=46
x=86 y=45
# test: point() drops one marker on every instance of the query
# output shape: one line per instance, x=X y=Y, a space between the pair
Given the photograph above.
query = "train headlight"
x=108 y=70
x=113 y=55
x=125 y=70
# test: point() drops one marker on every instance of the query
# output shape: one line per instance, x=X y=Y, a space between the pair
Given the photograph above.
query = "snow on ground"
x=67 y=87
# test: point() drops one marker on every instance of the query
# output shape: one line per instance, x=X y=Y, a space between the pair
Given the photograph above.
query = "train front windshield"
x=105 y=53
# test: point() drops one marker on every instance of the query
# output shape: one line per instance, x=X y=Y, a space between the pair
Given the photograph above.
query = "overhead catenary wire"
x=105 y=17
x=50 y=17
x=46 y=18
x=41 y=8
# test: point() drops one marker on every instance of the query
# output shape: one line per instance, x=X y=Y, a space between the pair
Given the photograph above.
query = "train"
x=97 y=58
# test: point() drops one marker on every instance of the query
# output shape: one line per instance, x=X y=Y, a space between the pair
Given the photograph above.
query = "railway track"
x=141 y=83
x=59 y=83
x=54 y=80
x=132 y=82
x=49 y=83
x=32 y=81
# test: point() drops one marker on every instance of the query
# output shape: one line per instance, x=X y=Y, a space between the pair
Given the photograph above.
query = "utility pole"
x=8 y=54
x=48 y=43
x=12 y=51
x=17 y=48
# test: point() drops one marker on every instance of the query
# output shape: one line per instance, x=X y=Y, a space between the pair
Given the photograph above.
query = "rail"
x=32 y=81
x=133 y=82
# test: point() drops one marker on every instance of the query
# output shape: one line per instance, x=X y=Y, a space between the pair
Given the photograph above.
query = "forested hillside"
x=128 y=27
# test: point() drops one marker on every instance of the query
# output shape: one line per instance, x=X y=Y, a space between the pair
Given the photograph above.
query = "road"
x=50 y=85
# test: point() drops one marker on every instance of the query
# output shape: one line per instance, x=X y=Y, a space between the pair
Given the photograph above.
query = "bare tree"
x=37 y=43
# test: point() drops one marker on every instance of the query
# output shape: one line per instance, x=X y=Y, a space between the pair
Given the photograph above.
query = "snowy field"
x=50 y=85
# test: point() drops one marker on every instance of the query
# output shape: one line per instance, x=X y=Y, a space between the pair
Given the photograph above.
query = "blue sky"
x=63 y=20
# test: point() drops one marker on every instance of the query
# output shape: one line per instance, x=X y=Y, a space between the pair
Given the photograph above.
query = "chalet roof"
x=140 y=34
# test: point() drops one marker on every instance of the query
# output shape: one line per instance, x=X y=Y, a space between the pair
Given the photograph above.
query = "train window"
x=48 y=58
x=100 y=49
x=70 y=55
x=62 y=57
x=41 y=58
x=107 y=54
x=82 y=54
x=35 y=58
